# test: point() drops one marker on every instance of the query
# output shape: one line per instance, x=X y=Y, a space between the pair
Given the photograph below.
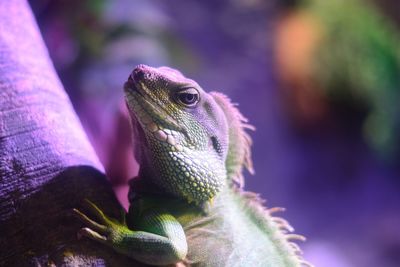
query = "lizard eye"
x=188 y=97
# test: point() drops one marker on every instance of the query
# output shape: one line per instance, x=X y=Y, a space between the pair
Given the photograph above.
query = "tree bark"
x=47 y=166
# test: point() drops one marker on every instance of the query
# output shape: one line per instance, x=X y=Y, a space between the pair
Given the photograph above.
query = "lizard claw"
x=86 y=220
x=92 y=235
x=101 y=232
x=97 y=212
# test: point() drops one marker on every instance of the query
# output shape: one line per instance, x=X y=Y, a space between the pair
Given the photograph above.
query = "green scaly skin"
x=187 y=206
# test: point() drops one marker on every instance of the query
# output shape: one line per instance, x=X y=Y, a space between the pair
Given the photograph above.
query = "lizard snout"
x=139 y=73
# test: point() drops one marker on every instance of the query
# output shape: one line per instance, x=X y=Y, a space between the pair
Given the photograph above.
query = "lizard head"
x=181 y=133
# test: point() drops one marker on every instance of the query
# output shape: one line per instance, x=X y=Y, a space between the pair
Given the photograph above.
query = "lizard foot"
x=106 y=232
x=166 y=244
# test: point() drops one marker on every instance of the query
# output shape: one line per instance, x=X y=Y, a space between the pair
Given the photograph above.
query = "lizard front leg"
x=159 y=241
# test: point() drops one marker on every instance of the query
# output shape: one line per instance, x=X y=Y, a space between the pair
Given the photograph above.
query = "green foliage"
x=359 y=60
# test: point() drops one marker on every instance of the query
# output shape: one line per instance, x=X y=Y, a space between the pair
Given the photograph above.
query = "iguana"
x=187 y=205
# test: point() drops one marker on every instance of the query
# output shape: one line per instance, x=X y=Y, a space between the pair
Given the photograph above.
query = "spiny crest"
x=239 y=151
x=254 y=206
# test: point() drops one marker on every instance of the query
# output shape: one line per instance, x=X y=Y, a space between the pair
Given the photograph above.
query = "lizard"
x=187 y=205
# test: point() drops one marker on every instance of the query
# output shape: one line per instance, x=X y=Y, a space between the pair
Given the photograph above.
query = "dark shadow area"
x=43 y=230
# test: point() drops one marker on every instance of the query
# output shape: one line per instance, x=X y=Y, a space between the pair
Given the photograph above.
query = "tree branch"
x=47 y=166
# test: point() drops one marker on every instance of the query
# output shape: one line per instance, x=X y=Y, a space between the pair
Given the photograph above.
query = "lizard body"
x=187 y=204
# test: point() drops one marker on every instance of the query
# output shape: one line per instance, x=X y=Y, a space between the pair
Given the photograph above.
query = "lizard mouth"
x=150 y=116
x=130 y=87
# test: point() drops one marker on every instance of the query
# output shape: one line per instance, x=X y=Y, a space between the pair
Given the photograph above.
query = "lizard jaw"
x=141 y=102
x=147 y=115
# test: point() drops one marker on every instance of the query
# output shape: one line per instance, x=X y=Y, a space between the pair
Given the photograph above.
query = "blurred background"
x=320 y=80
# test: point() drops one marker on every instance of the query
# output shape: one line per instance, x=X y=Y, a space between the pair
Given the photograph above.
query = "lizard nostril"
x=138 y=74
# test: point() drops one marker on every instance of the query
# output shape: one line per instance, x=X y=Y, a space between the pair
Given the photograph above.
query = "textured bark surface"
x=47 y=166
